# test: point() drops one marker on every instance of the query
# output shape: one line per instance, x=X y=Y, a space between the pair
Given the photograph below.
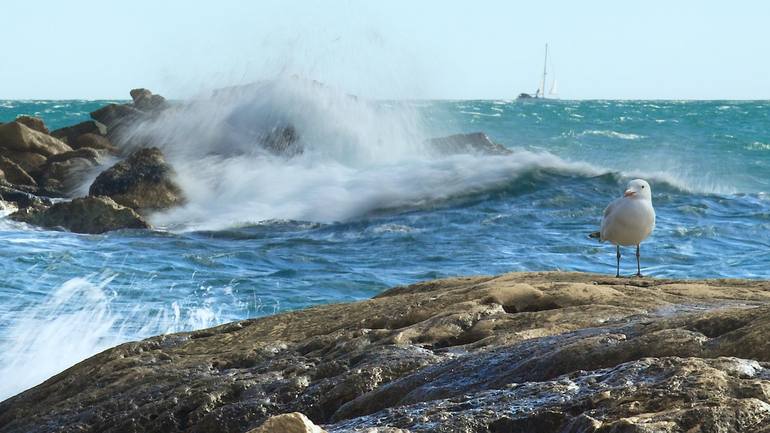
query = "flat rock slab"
x=544 y=352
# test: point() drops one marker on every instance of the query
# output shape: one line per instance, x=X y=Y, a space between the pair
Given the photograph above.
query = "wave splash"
x=78 y=319
x=349 y=157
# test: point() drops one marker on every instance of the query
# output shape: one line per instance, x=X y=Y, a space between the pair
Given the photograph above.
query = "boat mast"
x=545 y=64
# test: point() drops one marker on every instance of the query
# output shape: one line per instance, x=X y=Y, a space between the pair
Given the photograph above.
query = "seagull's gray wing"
x=611 y=207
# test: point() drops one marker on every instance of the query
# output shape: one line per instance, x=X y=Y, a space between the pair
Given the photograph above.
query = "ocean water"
x=368 y=206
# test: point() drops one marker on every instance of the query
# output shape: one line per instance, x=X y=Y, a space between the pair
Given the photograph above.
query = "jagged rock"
x=540 y=352
x=143 y=181
x=294 y=422
x=70 y=134
x=33 y=122
x=15 y=174
x=146 y=101
x=83 y=215
x=475 y=142
x=94 y=141
x=18 y=137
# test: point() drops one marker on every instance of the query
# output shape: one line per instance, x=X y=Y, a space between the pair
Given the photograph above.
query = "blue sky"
x=388 y=49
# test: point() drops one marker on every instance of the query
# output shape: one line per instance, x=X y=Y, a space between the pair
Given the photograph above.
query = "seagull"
x=628 y=220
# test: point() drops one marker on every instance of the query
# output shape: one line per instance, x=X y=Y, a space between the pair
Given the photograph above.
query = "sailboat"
x=540 y=93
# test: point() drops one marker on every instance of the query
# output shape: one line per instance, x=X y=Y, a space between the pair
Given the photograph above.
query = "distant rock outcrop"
x=143 y=181
x=83 y=215
x=474 y=143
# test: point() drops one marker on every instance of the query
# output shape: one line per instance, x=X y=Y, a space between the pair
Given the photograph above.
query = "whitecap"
x=613 y=134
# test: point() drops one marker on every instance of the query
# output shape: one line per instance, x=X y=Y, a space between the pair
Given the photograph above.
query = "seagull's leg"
x=638 y=266
x=617 y=275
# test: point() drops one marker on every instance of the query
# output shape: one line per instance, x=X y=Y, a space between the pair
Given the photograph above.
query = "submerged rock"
x=143 y=181
x=83 y=215
x=475 y=142
x=540 y=352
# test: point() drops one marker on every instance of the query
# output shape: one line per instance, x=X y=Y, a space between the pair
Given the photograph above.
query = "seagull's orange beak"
x=629 y=193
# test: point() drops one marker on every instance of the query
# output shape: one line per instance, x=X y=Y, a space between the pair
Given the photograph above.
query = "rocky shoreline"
x=39 y=168
x=521 y=352
x=131 y=177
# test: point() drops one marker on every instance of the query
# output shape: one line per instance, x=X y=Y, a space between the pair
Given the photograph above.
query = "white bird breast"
x=628 y=222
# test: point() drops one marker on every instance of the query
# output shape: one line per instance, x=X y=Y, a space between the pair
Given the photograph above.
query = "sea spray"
x=348 y=157
x=80 y=318
x=72 y=323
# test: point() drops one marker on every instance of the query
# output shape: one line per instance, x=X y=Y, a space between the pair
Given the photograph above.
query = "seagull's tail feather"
x=595 y=235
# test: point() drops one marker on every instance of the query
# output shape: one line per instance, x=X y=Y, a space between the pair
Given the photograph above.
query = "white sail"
x=553 y=90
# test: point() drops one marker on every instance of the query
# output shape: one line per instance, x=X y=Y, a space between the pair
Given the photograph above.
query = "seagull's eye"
x=642 y=186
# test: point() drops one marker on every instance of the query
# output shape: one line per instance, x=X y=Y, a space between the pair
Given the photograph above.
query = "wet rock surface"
x=143 y=181
x=37 y=165
x=90 y=215
x=522 y=352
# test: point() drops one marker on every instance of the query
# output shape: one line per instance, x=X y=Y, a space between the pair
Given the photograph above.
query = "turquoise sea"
x=366 y=207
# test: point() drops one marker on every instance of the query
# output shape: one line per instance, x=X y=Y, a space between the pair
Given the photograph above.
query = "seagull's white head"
x=638 y=188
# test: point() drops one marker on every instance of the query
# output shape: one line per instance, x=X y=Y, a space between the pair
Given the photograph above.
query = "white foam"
x=78 y=320
x=613 y=134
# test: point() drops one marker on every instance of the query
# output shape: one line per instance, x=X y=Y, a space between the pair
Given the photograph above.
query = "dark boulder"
x=473 y=143
x=143 y=181
x=83 y=215
x=116 y=115
x=35 y=123
x=70 y=134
